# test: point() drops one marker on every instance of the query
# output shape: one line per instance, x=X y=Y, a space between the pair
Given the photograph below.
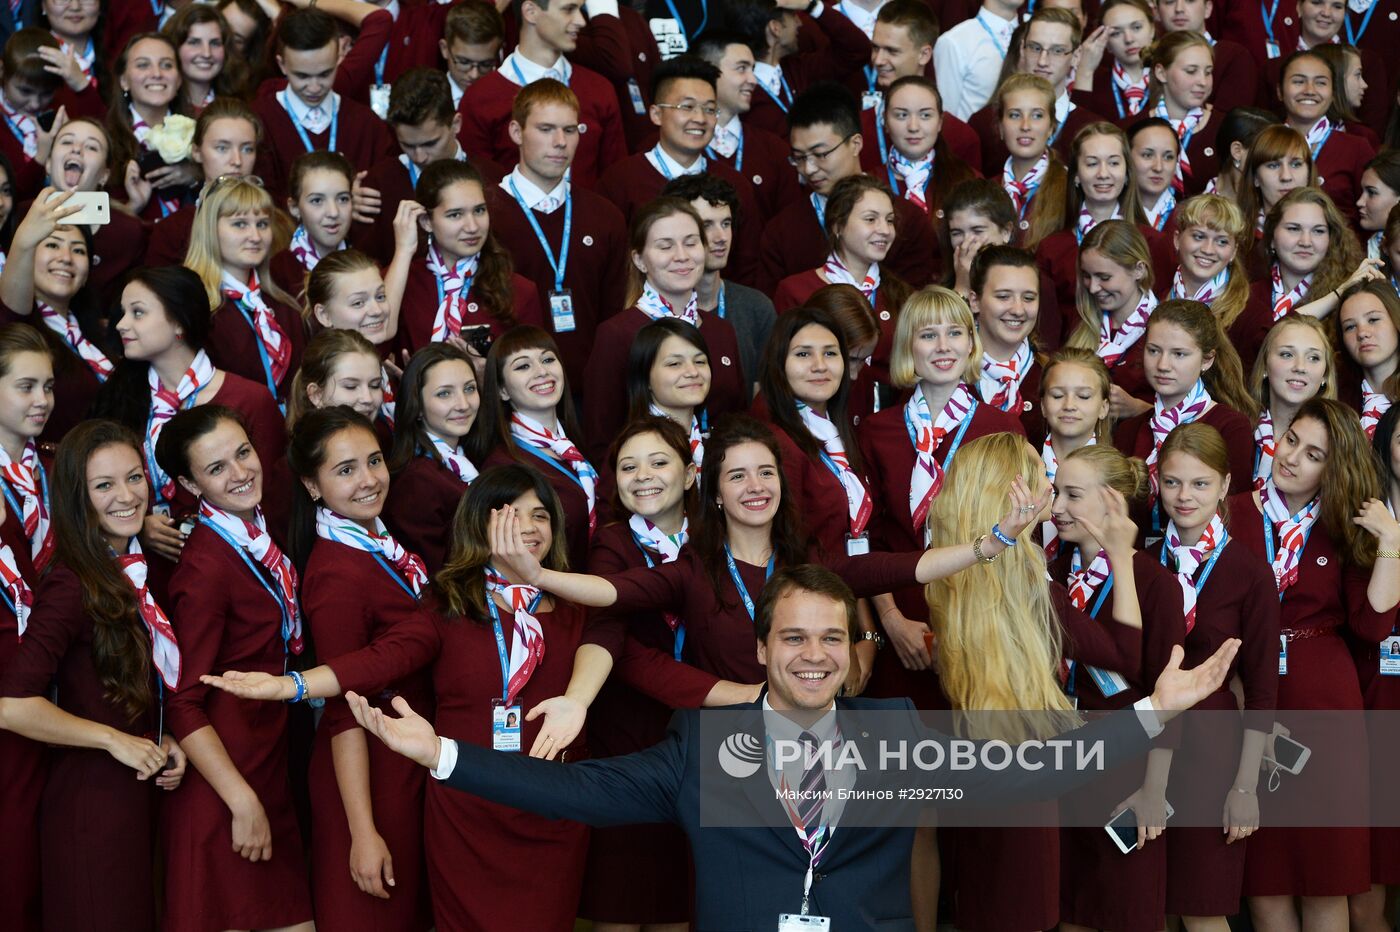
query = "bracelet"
x=1388 y=554
x=299 y=682
x=996 y=532
x=1240 y=789
x=977 y=551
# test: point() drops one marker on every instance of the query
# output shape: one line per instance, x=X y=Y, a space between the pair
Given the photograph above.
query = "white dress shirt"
x=312 y=119
x=517 y=66
x=863 y=19
x=457 y=91
x=546 y=202
x=728 y=137
x=967 y=60
x=669 y=167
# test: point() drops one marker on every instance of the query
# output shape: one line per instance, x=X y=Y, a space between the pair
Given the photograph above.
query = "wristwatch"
x=873 y=636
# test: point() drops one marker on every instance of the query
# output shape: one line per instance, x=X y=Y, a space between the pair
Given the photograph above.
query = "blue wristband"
x=996 y=532
x=300 y=682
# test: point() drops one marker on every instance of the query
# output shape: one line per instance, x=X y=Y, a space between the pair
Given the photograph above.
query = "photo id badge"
x=505 y=726
x=634 y=91
x=379 y=100
x=792 y=922
x=1271 y=49
x=1282 y=654
x=856 y=546
x=561 y=310
x=1390 y=656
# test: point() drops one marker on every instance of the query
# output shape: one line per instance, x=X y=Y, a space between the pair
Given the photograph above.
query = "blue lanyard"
x=466 y=286
x=704 y=19
x=739 y=580
x=562 y=467
x=820 y=207
x=379 y=65
x=501 y=641
x=149 y=448
x=719 y=308
x=1210 y=564
x=413 y=172
x=13 y=502
x=301 y=130
x=1268 y=18
x=870 y=76
x=1103 y=594
x=263 y=357
x=563 y=262
x=285 y=609
x=738 y=154
x=678 y=648
x=520 y=75
x=1269 y=544
x=1354 y=35
x=1001 y=49
x=785 y=91
x=1317 y=149
x=957 y=438
x=393 y=574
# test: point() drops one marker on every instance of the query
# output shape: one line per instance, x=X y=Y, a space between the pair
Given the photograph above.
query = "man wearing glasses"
x=1049 y=50
x=471 y=43
x=826 y=143
x=684 y=112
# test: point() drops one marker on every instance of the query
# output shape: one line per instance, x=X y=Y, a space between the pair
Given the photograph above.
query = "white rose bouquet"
x=172 y=138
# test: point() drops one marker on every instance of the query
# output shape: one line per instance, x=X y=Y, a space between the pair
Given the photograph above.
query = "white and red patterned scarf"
x=1134 y=92
x=527 y=639
x=1164 y=420
x=1190 y=559
x=1285 y=302
x=27 y=478
x=1160 y=212
x=926 y=479
x=1207 y=292
x=165 y=404
x=268 y=331
x=665 y=547
x=455 y=285
x=1265 y=443
x=859 y=504
x=453 y=458
x=19 y=592
x=253 y=539
x=914 y=175
x=837 y=274
x=697 y=439
x=303 y=247
x=1086 y=222
x=1374 y=405
x=1317 y=136
x=386 y=408
x=336 y=527
x=1084 y=583
x=1000 y=385
x=1113 y=346
x=530 y=431
x=1292 y=532
x=1185 y=128
x=656 y=307
x=24 y=125
x=165 y=650
x=66 y=326
x=1023 y=189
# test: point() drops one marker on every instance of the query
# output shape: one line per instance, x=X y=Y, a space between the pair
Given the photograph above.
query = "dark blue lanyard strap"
x=1354 y=35
x=563 y=262
x=393 y=574
x=557 y=464
x=739 y=580
x=149 y=449
x=262 y=579
x=262 y=354
x=680 y=23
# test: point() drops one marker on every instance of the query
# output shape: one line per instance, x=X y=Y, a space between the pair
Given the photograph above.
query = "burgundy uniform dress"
x=1237 y=75
x=117 y=248
x=1003 y=877
x=1237 y=600
x=1058 y=257
x=491 y=867
x=795 y=241
x=170 y=238
x=994 y=152
x=635 y=873
x=572 y=497
x=1129 y=374
x=1100 y=887
x=762 y=159
x=719 y=635
x=606 y=375
x=361 y=137
x=1248 y=331
x=820 y=496
x=75 y=385
x=634 y=182
x=1330 y=594
x=422 y=501
x=485 y=110
x=962 y=141
x=349 y=600
x=395 y=182
x=889 y=460
x=794 y=291
x=23 y=763
x=595 y=273
x=234 y=345
x=420 y=306
x=226 y=618
x=1339 y=166
x=96 y=820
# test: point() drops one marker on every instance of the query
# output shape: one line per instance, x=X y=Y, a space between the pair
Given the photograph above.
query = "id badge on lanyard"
x=1390 y=655
x=1282 y=655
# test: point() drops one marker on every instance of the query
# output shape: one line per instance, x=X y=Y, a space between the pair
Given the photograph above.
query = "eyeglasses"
x=1036 y=50
x=222 y=180
x=801 y=159
x=479 y=67
x=690 y=108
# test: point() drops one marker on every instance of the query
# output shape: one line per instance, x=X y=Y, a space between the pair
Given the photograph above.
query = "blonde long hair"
x=225 y=197
x=1000 y=643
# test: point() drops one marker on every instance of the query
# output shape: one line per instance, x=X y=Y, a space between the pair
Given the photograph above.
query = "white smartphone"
x=1122 y=828
x=1289 y=755
x=94 y=208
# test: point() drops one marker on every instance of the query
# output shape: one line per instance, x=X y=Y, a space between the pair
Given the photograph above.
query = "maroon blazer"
x=1339 y=166
x=420 y=304
x=233 y=343
x=820 y=496
x=622 y=50
x=361 y=137
x=170 y=238
x=764 y=165
x=794 y=241
x=422 y=501
x=485 y=110
x=1058 y=258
